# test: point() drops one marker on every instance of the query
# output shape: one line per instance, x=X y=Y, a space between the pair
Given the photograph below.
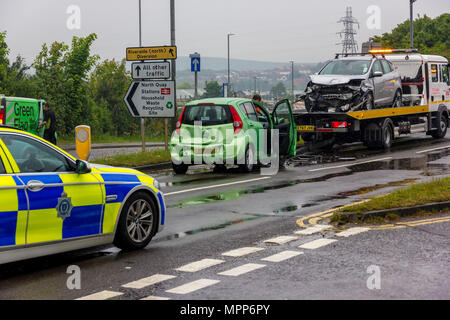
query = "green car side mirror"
x=82 y=167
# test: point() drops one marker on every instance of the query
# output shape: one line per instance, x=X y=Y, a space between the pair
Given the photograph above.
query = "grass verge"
x=437 y=190
x=136 y=159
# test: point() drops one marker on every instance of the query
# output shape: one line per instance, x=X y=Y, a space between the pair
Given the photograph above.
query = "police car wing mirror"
x=82 y=167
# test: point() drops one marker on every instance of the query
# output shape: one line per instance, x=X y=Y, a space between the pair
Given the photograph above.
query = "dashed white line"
x=103 y=295
x=281 y=256
x=316 y=244
x=199 y=265
x=281 y=240
x=145 y=282
x=155 y=298
x=242 y=269
x=215 y=186
x=434 y=149
x=351 y=232
x=349 y=164
x=242 y=251
x=193 y=286
x=314 y=229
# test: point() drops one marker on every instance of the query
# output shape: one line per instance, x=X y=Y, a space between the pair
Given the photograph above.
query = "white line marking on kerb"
x=215 y=186
x=278 y=257
x=424 y=151
x=314 y=229
x=145 y=282
x=199 y=265
x=103 y=295
x=351 y=232
x=349 y=164
x=241 y=251
x=281 y=240
x=242 y=269
x=317 y=244
x=193 y=286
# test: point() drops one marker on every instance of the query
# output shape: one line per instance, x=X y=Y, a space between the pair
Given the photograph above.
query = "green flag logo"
x=169 y=105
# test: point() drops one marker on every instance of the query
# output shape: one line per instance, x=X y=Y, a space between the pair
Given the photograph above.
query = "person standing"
x=49 y=123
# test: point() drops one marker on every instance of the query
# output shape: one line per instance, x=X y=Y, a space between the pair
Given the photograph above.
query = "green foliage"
x=279 y=90
x=431 y=36
x=185 y=85
x=212 y=90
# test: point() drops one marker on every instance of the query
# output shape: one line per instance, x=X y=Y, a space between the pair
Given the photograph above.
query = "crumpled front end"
x=346 y=97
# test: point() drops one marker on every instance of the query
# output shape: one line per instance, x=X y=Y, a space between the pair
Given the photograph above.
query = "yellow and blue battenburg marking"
x=93 y=203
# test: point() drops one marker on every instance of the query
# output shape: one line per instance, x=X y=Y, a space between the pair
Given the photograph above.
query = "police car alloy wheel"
x=137 y=224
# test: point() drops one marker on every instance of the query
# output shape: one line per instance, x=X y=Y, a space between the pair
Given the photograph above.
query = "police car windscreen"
x=209 y=115
x=346 y=67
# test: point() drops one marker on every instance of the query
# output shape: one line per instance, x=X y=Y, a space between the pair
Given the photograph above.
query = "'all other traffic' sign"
x=151 y=99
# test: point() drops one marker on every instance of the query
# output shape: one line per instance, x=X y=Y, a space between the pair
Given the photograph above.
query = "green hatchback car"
x=232 y=131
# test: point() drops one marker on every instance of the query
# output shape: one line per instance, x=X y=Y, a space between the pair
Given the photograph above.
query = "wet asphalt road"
x=209 y=214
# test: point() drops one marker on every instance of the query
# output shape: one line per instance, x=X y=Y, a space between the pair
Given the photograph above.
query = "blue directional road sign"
x=195 y=62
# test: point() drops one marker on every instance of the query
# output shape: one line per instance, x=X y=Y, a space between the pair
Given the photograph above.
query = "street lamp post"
x=228 y=79
x=411 y=23
x=292 y=72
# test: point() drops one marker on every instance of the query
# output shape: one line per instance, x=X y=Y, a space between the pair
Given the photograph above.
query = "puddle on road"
x=196 y=231
x=423 y=163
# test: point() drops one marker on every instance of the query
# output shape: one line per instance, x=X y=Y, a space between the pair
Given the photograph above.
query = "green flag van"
x=22 y=113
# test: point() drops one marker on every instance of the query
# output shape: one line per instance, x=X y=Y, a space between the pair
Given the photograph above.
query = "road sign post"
x=195 y=67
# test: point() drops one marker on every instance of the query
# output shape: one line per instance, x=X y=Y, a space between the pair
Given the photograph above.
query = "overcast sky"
x=266 y=30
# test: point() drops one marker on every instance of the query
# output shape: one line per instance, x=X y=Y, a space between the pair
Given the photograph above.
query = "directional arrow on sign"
x=195 y=62
x=138 y=69
x=129 y=99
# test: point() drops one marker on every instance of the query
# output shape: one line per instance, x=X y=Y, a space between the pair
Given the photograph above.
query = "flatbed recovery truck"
x=425 y=108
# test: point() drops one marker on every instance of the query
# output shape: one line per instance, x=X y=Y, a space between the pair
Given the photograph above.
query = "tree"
x=61 y=77
x=431 y=36
x=279 y=90
x=212 y=90
x=108 y=85
x=185 y=85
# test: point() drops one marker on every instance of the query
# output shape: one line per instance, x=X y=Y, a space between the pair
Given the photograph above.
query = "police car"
x=51 y=202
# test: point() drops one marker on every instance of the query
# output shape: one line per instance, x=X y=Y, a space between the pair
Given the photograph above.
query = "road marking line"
x=278 y=257
x=317 y=244
x=300 y=222
x=215 y=186
x=242 y=251
x=103 y=295
x=145 y=282
x=281 y=240
x=199 y=265
x=155 y=298
x=424 y=151
x=349 y=164
x=242 y=269
x=352 y=232
x=315 y=229
x=193 y=286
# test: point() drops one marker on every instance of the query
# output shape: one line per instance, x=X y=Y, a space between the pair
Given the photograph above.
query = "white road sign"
x=150 y=70
x=151 y=99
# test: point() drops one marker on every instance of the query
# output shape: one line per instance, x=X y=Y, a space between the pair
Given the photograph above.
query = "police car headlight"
x=156 y=184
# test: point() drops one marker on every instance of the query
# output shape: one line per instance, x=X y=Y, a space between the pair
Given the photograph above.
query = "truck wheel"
x=442 y=130
x=137 y=223
x=180 y=168
x=387 y=135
